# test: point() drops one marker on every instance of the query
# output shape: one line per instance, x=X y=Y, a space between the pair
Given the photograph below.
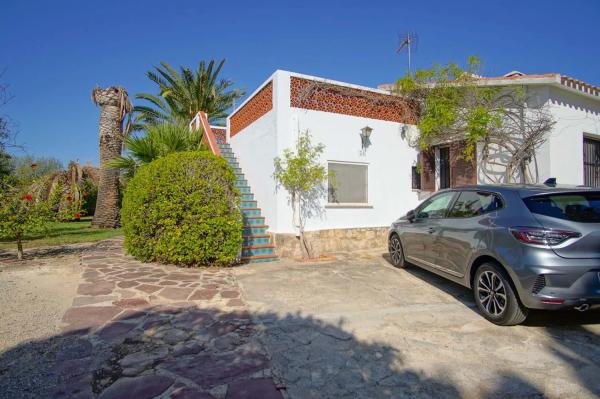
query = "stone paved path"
x=140 y=330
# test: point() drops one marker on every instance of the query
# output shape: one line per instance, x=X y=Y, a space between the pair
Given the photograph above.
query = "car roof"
x=528 y=190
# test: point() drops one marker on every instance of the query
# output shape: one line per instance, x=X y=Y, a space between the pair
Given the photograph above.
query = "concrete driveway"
x=359 y=328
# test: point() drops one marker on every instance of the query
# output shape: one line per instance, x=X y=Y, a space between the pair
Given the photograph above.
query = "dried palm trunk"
x=115 y=106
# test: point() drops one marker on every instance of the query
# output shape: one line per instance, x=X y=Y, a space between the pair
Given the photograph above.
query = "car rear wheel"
x=396 y=252
x=495 y=296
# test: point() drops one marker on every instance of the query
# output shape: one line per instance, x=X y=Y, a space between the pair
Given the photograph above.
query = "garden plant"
x=183 y=209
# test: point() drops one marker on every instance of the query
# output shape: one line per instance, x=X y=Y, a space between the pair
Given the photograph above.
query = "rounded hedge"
x=183 y=209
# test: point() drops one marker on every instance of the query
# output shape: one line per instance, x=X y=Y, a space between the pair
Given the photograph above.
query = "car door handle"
x=431 y=230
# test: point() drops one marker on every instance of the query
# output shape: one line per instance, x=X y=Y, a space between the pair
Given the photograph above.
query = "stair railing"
x=208 y=138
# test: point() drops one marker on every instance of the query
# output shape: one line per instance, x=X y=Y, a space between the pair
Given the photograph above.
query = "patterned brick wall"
x=258 y=105
x=309 y=94
x=220 y=134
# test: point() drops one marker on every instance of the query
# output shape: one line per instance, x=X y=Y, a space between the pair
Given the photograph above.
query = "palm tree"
x=115 y=107
x=182 y=94
x=159 y=140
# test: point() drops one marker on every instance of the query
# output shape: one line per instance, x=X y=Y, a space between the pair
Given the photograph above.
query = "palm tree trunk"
x=114 y=106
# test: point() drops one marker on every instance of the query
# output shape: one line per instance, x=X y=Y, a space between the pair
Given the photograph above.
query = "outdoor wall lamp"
x=365 y=134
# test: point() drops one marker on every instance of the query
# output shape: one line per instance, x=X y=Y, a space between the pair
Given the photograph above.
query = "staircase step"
x=247 y=197
x=241 y=183
x=244 y=189
x=259 y=258
x=250 y=212
x=254 y=220
x=240 y=176
x=249 y=230
x=258 y=250
x=248 y=204
x=257 y=239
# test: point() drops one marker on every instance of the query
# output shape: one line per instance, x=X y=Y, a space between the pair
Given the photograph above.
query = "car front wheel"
x=495 y=296
x=396 y=252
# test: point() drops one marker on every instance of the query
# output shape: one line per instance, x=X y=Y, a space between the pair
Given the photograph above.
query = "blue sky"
x=55 y=52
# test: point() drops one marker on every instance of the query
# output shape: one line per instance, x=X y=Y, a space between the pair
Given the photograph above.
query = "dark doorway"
x=444 y=167
x=591 y=162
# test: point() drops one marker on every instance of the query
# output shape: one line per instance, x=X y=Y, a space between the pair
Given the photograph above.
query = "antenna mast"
x=408 y=41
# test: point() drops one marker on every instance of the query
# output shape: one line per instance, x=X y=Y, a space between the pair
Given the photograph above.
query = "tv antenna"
x=409 y=42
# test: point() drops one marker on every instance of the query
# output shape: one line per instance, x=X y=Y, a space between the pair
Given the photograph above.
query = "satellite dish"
x=409 y=133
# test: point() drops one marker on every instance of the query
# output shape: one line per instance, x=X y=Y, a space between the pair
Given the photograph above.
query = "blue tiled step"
x=257 y=239
x=244 y=189
x=247 y=197
x=254 y=220
x=250 y=230
x=241 y=183
x=250 y=212
x=257 y=250
x=248 y=203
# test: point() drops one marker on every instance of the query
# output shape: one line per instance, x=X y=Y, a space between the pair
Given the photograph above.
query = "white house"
x=373 y=181
x=571 y=152
x=377 y=178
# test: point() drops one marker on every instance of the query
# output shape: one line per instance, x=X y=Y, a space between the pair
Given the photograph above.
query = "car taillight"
x=540 y=236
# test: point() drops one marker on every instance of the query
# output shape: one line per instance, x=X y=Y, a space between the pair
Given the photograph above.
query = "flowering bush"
x=22 y=214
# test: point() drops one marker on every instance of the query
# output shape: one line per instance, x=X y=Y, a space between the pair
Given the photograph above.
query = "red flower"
x=27 y=197
x=77 y=216
x=69 y=198
x=34 y=165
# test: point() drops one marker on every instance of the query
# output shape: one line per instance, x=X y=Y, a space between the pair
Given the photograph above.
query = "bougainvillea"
x=21 y=214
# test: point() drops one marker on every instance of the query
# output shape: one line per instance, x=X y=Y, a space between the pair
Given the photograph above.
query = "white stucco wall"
x=254 y=148
x=389 y=160
x=561 y=156
x=576 y=116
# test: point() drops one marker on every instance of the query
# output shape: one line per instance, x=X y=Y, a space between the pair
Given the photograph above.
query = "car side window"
x=473 y=203
x=435 y=207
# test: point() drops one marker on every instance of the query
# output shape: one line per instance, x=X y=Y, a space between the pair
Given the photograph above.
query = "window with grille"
x=348 y=183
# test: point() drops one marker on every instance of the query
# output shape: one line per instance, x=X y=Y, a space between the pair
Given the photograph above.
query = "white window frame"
x=349 y=204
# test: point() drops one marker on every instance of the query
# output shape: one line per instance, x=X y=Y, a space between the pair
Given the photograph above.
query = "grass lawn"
x=66 y=233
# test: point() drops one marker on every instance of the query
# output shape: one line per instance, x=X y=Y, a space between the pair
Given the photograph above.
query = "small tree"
x=21 y=214
x=302 y=175
x=454 y=106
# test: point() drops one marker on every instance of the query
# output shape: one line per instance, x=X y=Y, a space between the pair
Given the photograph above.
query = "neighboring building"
x=571 y=153
x=373 y=182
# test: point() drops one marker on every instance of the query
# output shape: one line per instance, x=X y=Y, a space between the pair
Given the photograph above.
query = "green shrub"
x=183 y=209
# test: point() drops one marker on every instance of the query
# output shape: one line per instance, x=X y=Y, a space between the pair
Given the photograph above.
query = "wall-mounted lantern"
x=365 y=134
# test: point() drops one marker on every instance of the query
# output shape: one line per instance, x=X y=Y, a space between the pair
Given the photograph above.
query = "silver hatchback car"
x=518 y=247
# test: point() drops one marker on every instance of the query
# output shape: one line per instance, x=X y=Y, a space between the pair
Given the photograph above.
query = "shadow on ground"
x=9 y=256
x=570 y=341
x=535 y=319
x=186 y=352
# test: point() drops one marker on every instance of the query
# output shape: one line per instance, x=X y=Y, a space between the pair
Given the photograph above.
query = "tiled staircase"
x=257 y=245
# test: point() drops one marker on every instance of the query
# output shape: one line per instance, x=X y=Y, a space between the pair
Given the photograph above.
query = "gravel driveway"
x=359 y=328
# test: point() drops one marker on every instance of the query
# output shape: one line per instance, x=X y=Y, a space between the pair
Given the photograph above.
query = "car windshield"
x=577 y=207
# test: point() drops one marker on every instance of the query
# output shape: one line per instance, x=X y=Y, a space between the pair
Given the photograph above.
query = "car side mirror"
x=410 y=215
